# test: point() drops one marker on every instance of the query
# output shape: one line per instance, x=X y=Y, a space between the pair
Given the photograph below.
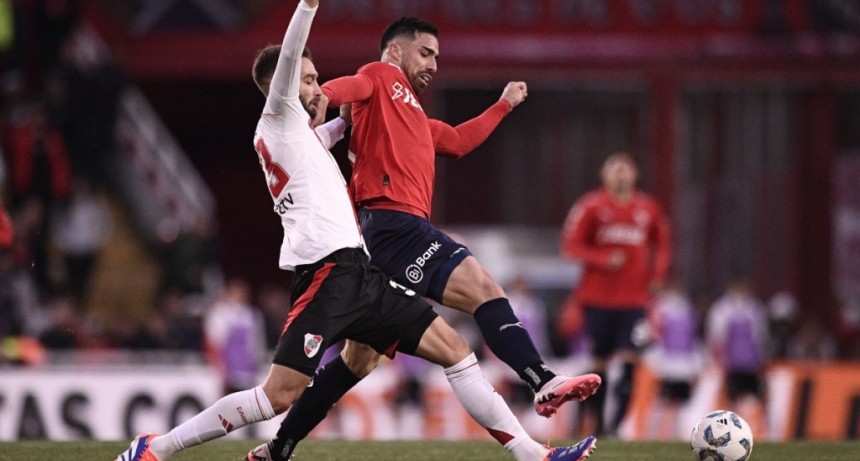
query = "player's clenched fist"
x=515 y=93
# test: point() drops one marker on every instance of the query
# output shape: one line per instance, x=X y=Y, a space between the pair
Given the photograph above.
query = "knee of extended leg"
x=282 y=398
x=460 y=347
x=456 y=349
x=360 y=360
x=487 y=289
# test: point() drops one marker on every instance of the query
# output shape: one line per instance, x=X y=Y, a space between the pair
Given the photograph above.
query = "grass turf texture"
x=230 y=450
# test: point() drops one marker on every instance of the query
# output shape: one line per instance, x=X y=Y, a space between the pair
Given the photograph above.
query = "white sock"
x=227 y=414
x=487 y=407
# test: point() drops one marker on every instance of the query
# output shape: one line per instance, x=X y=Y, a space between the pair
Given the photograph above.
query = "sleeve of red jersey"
x=661 y=238
x=465 y=137
x=349 y=89
x=575 y=237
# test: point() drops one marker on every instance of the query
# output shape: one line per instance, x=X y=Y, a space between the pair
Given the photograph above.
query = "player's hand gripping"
x=515 y=93
x=346 y=113
x=322 y=106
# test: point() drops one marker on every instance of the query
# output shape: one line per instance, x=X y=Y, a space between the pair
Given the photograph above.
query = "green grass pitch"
x=318 y=450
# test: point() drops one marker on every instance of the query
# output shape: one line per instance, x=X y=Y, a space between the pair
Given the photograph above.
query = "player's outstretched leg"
x=330 y=383
x=583 y=449
x=229 y=413
x=471 y=285
x=440 y=344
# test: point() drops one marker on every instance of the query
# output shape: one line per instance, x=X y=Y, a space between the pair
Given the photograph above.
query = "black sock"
x=623 y=391
x=506 y=337
x=329 y=384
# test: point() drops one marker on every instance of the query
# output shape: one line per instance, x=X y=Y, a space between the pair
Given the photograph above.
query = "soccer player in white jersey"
x=336 y=294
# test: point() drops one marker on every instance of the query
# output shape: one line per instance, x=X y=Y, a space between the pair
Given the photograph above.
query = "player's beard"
x=310 y=106
x=419 y=84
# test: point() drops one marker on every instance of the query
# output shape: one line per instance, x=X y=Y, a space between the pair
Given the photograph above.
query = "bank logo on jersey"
x=406 y=94
x=312 y=344
x=414 y=273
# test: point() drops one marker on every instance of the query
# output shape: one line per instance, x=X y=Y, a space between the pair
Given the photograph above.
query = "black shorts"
x=411 y=250
x=610 y=330
x=343 y=297
x=741 y=383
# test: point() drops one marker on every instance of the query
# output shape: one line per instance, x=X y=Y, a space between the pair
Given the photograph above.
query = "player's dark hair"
x=406 y=26
x=265 y=62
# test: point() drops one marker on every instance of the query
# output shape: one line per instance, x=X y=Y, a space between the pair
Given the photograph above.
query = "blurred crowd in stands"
x=59 y=97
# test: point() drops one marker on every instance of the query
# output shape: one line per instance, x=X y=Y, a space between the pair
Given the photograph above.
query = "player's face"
x=309 y=90
x=418 y=60
x=619 y=175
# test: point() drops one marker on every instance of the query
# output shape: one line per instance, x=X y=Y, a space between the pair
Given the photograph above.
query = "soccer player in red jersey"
x=623 y=240
x=394 y=146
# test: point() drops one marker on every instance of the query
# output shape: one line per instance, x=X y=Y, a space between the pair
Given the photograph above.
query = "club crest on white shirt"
x=312 y=344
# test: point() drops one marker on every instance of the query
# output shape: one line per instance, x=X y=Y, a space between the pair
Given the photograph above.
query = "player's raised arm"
x=286 y=79
x=345 y=90
x=460 y=140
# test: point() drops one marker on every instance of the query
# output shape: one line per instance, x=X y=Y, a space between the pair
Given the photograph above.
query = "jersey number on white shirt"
x=278 y=177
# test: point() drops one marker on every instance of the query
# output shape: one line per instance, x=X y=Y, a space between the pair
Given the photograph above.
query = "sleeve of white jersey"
x=331 y=132
x=287 y=77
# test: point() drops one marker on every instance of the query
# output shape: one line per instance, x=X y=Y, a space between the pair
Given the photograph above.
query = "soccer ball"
x=721 y=436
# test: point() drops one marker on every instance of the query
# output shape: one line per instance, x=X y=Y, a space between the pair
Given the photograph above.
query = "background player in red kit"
x=394 y=147
x=623 y=240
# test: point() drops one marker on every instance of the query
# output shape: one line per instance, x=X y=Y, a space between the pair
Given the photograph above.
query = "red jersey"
x=597 y=225
x=393 y=141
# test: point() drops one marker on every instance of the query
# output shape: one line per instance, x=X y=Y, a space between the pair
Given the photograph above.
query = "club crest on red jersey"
x=312 y=344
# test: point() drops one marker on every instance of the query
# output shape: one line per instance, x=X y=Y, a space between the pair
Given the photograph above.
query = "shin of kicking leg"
x=472 y=289
x=282 y=387
x=442 y=345
x=330 y=383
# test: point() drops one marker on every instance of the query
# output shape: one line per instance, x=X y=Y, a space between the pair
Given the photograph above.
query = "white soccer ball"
x=721 y=436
